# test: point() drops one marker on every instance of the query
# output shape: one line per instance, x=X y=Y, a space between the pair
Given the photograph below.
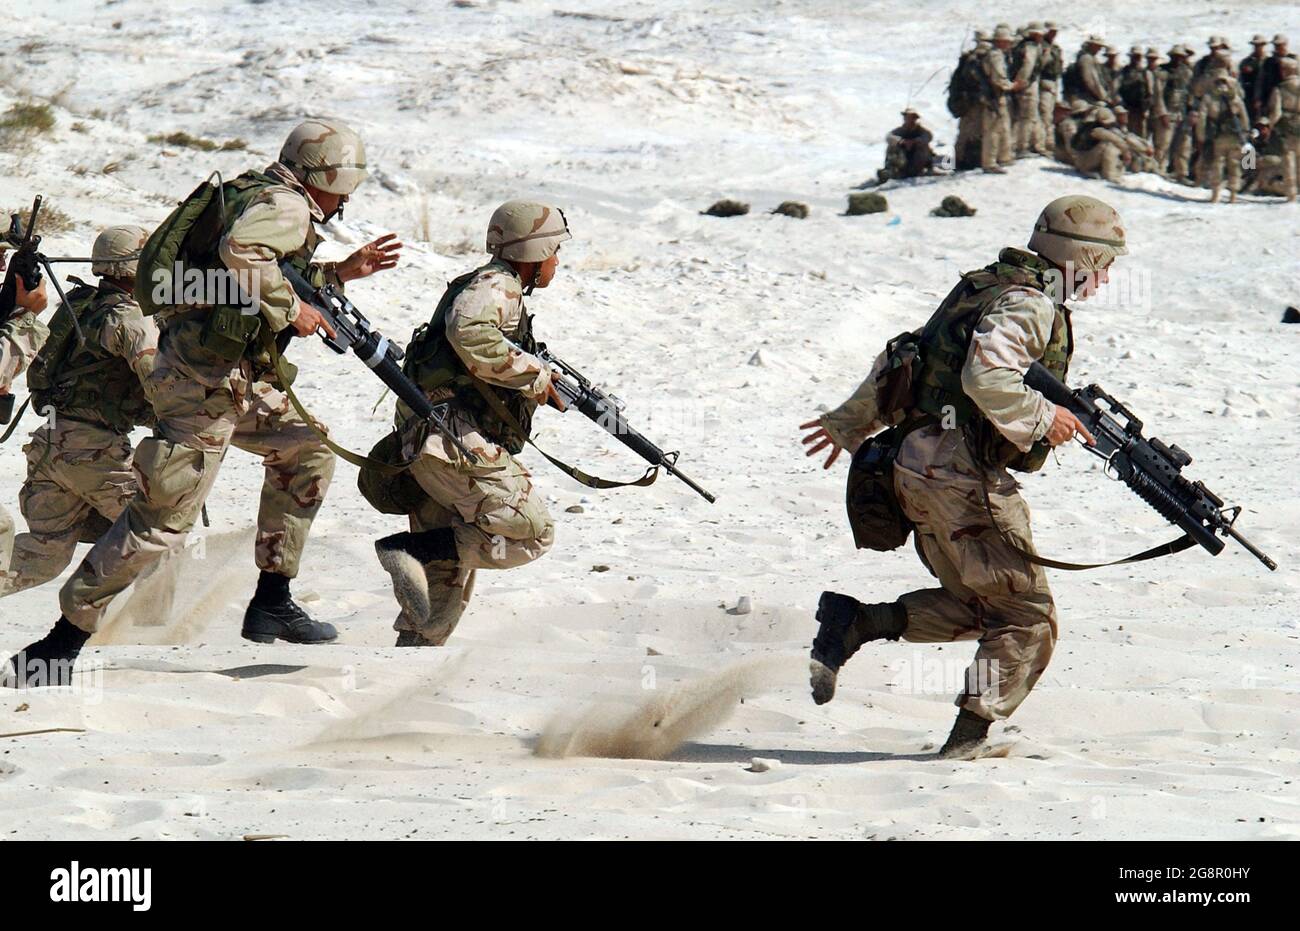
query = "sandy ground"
x=1171 y=707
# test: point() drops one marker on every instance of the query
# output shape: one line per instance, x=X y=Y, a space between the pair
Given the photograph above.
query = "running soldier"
x=477 y=355
x=214 y=387
x=974 y=418
x=93 y=392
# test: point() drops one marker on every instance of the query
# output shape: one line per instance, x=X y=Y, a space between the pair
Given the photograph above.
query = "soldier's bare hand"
x=822 y=440
x=309 y=320
x=33 y=301
x=554 y=398
x=1064 y=427
x=373 y=257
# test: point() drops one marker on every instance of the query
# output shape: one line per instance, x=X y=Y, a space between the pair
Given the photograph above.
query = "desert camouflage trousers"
x=1029 y=128
x=176 y=469
x=1047 y=116
x=989 y=591
x=79 y=480
x=1219 y=155
x=1104 y=158
x=499 y=520
x=996 y=135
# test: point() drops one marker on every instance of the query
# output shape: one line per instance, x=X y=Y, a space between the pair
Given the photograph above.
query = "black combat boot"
x=425 y=545
x=404 y=556
x=273 y=615
x=968 y=733
x=846 y=624
x=48 y=661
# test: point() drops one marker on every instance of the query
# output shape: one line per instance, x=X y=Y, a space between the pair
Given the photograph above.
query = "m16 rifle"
x=1150 y=467
x=607 y=412
x=353 y=331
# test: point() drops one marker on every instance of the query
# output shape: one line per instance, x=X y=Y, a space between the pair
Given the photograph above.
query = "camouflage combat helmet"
x=1105 y=116
x=326 y=154
x=1080 y=230
x=116 y=251
x=523 y=231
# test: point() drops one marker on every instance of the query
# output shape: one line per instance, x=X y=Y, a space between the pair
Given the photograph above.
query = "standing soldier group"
x=1212 y=121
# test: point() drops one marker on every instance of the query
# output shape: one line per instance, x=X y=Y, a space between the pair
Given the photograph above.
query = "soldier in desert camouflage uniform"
x=1250 y=72
x=477 y=354
x=970 y=125
x=1091 y=82
x=1175 y=139
x=1100 y=149
x=996 y=142
x=1138 y=153
x=21 y=338
x=1068 y=128
x=1028 y=59
x=92 y=395
x=1224 y=125
x=1284 y=114
x=1049 y=77
x=212 y=389
x=974 y=418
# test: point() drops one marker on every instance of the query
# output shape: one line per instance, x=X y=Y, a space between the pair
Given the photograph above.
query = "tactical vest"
x=228 y=332
x=945 y=343
x=432 y=363
x=1018 y=60
x=1224 y=121
x=1052 y=61
x=1133 y=88
x=1177 y=89
x=87 y=382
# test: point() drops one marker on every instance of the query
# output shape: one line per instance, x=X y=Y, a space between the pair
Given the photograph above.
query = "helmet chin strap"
x=532 y=279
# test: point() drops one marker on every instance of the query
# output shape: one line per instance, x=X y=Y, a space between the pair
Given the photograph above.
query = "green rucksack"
x=194 y=227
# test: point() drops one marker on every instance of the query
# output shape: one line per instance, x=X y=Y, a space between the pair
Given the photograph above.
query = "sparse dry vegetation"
x=184 y=140
x=27 y=119
x=52 y=219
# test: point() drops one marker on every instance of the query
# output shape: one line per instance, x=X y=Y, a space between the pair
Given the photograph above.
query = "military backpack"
x=84 y=379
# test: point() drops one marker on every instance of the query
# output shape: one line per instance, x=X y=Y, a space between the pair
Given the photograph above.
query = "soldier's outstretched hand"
x=372 y=257
x=822 y=440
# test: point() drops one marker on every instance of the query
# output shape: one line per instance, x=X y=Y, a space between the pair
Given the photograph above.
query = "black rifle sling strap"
x=347 y=455
x=18 y=415
x=1164 y=549
x=591 y=481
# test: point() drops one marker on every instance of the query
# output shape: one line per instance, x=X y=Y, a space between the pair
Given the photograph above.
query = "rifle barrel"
x=1251 y=548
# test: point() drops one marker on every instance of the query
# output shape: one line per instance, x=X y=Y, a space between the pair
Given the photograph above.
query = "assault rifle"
x=27 y=263
x=353 y=331
x=1150 y=468
x=607 y=412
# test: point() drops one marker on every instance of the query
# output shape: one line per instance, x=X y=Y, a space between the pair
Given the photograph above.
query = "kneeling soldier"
x=974 y=418
x=475 y=354
x=93 y=391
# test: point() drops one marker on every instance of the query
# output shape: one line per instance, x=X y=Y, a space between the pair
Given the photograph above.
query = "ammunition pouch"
x=875 y=516
x=388 y=493
x=227 y=332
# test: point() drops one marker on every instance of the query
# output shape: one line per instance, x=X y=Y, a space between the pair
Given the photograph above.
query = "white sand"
x=1171 y=708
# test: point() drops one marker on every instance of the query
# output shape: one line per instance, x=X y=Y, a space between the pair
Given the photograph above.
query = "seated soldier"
x=908 y=153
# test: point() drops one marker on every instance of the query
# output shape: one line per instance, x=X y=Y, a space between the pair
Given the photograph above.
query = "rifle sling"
x=1164 y=549
x=18 y=415
x=582 y=478
x=347 y=455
